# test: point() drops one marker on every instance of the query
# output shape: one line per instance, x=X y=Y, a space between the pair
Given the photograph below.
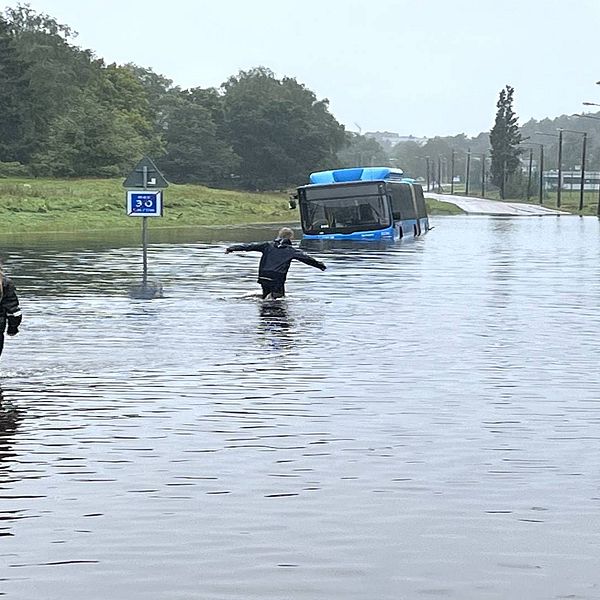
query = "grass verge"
x=55 y=205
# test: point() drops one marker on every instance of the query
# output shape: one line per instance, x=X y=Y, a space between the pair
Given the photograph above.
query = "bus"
x=362 y=203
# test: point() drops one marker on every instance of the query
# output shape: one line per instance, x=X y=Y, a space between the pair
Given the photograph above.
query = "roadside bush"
x=13 y=169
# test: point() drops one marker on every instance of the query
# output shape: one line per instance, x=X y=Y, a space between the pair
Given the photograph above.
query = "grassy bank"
x=53 y=205
x=88 y=204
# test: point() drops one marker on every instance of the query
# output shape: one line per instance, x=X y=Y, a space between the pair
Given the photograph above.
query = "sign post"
x=144 y=199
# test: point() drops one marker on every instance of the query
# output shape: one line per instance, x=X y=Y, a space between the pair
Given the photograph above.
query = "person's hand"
x=322 y=266
x=12 y=331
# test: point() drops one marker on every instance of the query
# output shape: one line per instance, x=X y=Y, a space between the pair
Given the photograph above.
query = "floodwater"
x=421 y=421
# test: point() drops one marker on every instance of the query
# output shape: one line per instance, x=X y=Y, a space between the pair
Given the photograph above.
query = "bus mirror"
x=293 y=201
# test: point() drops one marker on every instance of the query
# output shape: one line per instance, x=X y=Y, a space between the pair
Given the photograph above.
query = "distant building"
x=389 y=139
x=571 y=180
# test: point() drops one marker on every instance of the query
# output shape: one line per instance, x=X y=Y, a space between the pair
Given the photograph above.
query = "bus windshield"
x=345 y=215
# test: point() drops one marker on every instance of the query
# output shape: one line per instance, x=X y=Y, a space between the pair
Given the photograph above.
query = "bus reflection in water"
x=362 y=203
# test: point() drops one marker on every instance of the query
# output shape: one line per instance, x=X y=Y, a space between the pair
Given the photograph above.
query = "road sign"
x=145 y=175
x=144 y=203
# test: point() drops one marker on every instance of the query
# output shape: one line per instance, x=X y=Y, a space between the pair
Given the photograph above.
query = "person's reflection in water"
x=9 y=420
x=275 y=323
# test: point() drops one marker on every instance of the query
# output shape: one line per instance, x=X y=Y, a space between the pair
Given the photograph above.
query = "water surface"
x=418 y=421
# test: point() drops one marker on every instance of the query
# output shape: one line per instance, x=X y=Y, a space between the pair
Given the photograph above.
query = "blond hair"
x=285 y=233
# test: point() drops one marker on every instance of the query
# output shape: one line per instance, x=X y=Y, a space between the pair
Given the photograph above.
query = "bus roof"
x=357 y=174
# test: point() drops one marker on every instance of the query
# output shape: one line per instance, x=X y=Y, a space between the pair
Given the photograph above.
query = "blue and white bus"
x=362 y=203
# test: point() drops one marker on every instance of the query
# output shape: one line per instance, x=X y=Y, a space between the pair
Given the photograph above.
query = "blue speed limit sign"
x=143 y=203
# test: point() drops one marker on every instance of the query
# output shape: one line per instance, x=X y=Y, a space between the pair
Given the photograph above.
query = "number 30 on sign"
x=143 y=203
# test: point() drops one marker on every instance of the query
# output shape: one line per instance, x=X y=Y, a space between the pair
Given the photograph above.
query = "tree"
x=13 y=94
x=54 y=72
x=278 y=128
x=89 y=139
x=504 y=140
x=361 y=151
x=194 y=151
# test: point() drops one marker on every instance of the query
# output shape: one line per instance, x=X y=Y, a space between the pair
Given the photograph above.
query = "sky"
x=414 y=67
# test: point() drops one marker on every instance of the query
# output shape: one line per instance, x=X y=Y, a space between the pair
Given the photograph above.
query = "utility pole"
x=452 y=172
x=558 y=194
x=583 y=148
x=468 y=173
x=541 y=174
x=529 y=171
x=483 y=175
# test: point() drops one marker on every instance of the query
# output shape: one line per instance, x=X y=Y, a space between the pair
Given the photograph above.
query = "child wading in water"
x=275 y=261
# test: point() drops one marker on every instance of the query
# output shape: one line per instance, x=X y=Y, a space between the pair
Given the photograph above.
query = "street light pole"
x=529 y=170
x=541 y=174
x=483 y=175
x=559 y=136
x=583 y=149
x=582 y=176
x=468 y=173
x=558 y=194
x=452 y=172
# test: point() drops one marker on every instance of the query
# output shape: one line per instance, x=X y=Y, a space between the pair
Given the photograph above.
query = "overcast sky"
x=420 y=67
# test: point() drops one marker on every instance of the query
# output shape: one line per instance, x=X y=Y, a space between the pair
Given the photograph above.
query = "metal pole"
x=483 y=175
x=541 y=167
x=558 y=194
x=529 y=173
x=468 y=173
x=583 y=148
x=145 y=237
x=598 y=209
x=452 y=172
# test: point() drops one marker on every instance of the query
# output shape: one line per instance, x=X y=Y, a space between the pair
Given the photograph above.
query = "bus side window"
x=395 y=204
x=406 y=201
x=420 y=198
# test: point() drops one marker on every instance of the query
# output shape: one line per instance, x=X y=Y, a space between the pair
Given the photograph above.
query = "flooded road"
x=421 y=421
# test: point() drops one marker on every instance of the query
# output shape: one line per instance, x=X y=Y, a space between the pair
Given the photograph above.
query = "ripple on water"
x=417 y=421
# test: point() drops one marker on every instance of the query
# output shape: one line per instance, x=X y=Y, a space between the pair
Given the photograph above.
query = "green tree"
x=194 y=151
x=361 y=151
x=504 y=140
x=278 y=128
x=13 y=93
x=54 y=73
x=90 y=138
x=409 y=157
x=120 y=90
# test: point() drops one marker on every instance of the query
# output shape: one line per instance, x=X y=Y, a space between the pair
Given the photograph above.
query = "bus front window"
x=345 y=215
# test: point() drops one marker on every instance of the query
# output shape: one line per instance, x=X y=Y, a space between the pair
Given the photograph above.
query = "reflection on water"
x=420 y=420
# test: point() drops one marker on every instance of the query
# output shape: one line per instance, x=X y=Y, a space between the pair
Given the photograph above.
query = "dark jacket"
x=276 y=257
x=9 y=307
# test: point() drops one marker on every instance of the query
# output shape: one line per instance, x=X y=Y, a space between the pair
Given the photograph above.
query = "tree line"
x=65 y=113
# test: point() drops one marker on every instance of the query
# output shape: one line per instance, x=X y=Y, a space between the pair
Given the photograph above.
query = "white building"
x=571 y=180
x=389 y=139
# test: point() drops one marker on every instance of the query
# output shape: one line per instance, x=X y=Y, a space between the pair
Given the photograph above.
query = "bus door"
x=404 y=208
x=422 y=218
